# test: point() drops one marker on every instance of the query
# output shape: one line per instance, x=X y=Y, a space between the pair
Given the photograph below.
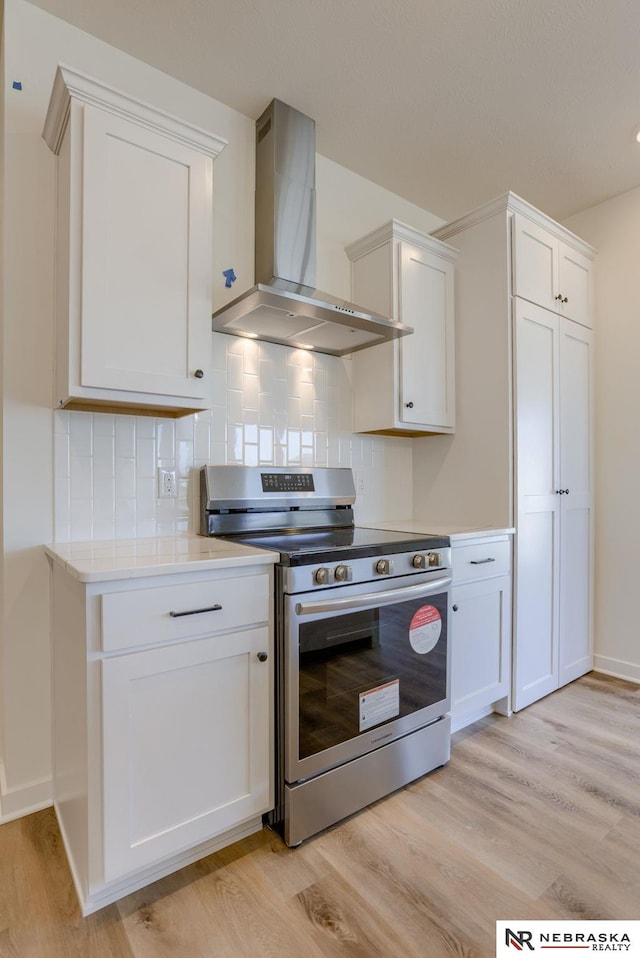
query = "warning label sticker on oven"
x=379 y=704
x=425 y=628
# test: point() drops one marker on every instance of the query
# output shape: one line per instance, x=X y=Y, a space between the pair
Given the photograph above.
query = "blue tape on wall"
x=229 y=277
x=17 y=84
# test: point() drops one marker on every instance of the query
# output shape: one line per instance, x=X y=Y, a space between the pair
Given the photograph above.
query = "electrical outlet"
x=167 y=484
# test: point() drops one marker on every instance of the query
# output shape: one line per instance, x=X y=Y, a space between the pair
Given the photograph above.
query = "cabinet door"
x=537 y=481
x=535 y=263
x=146 y=261
x=480 y=659
x=187 y=746
x=427 y=357
x=576 y=519
x=574 y=284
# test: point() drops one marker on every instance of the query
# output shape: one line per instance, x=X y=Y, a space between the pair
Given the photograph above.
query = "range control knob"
x=322 y=576
x=435 y=559
x=343 y=573
x=384 y=566
x=420 y=562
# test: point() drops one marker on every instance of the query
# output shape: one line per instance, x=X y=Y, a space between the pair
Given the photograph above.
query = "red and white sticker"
x=425 y=628
x=379 y=704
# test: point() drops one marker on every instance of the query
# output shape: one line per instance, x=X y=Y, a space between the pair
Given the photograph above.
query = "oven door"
x=364 y=665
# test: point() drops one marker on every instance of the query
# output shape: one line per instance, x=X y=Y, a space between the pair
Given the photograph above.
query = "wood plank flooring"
x=536 y=816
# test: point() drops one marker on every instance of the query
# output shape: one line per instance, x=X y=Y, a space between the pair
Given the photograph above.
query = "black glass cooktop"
x=302 y=548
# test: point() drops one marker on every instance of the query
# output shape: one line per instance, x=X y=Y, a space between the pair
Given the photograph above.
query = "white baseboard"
x=23 y=800
x=618 y=668
x=468 y=718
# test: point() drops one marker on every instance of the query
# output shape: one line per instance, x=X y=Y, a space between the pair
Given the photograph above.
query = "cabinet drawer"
x=146 y=616
x=481 y=560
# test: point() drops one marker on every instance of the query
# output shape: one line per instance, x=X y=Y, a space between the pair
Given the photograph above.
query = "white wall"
x=79 y=475
x=2 y=287
x=614 y=229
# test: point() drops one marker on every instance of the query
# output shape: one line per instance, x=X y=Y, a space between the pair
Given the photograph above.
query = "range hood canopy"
x=284 y=306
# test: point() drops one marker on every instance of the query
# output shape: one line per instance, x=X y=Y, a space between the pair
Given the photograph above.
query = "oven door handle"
x=388 y=597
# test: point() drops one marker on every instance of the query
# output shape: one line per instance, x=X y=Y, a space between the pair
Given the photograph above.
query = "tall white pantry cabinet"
x=524 y=321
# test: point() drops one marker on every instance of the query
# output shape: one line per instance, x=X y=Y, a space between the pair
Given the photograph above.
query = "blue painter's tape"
x=17 y=84
x=229 y=277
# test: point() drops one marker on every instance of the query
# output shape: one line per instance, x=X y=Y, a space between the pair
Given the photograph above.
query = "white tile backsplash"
x=271 y=406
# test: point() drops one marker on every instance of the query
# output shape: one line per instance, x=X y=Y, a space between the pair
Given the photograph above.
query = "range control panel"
x=287 y=482
x=347 y=572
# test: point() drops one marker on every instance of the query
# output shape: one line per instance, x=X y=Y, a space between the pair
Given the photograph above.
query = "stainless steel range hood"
x=285 y=307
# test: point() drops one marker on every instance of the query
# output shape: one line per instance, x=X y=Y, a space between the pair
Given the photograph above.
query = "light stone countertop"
x=455 y=532
x=101 y=561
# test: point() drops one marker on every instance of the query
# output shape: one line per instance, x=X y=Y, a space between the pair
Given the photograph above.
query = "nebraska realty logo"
x=561 y=937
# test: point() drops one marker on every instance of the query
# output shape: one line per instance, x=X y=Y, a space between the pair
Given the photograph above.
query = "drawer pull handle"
x=480 y=561
x=209 y=608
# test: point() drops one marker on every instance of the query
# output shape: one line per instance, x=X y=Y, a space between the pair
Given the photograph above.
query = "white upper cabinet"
x=406 y=387
x=427 y=359
x=550 y=272
x=133 y=252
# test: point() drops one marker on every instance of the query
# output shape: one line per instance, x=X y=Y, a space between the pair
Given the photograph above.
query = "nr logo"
x=518 y=939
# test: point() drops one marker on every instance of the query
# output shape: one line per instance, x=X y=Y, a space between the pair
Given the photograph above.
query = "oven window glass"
x=361 y=670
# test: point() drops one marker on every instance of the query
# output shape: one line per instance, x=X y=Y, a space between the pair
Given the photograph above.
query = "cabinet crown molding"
x=394 y=229
x=511 y=203
x=72 y=84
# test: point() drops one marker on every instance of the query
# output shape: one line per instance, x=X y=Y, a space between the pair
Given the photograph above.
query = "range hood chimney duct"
x=285 y=307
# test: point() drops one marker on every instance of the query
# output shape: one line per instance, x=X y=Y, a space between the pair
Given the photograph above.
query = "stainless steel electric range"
x=362 y=646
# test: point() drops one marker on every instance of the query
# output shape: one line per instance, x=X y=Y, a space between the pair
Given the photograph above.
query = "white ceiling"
x=445 y=102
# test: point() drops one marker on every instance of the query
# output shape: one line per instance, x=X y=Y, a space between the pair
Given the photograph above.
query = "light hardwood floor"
x=537 y=816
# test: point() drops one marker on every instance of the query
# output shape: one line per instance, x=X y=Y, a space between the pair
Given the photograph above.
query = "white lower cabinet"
x=481 y=629
x=186 y=746
x=163 y=745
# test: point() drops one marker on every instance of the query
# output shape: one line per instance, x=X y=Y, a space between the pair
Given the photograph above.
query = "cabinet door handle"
x=558 y=297
x=263 y=656
x=455 y=608
x=199 y=373
x=409 y=405
x=562 y=492
x=209 y=608
x=480 y=561
x=565 y=299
